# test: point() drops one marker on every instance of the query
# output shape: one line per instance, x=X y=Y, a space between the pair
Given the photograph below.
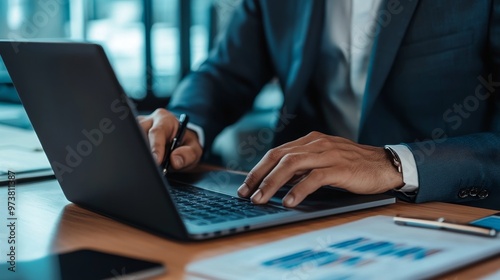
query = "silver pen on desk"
x=442 y=225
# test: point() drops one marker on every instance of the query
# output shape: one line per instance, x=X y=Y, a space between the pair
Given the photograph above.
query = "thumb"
x=177 y=161
x=187 y=155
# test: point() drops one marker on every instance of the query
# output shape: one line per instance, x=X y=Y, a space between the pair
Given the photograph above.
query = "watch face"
x=397 y=164
x=395 y=159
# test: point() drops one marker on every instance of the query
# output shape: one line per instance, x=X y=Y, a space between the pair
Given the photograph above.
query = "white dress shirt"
x=349 y=31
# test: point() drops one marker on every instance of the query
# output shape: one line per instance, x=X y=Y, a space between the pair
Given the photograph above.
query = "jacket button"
x=483 y=194
x=463 y=193
x=473 y=192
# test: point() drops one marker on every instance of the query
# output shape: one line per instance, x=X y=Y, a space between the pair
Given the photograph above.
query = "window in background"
x=115 y=24
x=200 y=31
x=165 y=47
x=143 y=39
x=118 y=26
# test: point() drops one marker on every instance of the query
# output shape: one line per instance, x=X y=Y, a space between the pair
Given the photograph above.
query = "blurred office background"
x=152 y=45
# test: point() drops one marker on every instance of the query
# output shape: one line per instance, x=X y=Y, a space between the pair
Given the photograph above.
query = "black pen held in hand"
x=183 y=121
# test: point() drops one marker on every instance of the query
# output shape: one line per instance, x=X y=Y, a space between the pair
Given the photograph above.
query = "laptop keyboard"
x=204 y=207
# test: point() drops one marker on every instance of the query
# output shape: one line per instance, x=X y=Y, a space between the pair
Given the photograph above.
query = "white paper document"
x=493 y=276
x=371 y=248
x=20 y=151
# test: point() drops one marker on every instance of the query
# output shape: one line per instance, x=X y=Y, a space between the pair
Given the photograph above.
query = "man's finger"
x=274 y=156
x=187 y=155
x=157 y=141
x=145 y=123
x=310 y=183
x=161 y=133
x=288 y=167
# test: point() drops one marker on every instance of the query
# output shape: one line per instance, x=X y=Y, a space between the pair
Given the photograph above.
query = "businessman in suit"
x=380 y=95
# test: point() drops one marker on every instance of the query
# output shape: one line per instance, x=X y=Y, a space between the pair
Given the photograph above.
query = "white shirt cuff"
x=199 y=131
x=410 y=173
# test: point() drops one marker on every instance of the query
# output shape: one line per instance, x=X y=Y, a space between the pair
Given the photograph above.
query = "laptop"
x=101 y=159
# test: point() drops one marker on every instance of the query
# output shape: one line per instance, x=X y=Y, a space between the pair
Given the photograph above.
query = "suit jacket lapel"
x=310 y=16
x=385 y=48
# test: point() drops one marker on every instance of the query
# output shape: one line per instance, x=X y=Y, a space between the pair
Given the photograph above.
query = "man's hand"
x=160 y=128
x=316 y=160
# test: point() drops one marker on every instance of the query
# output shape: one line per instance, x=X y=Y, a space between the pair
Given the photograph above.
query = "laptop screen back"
x=89 y=133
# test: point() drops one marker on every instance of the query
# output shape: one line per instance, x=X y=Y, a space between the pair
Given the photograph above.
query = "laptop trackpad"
x=220 y=181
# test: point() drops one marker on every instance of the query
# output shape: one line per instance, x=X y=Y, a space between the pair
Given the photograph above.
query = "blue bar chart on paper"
x=370 y=248
x=354 y=252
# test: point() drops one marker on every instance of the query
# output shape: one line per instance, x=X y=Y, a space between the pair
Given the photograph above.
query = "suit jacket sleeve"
x=460 y=169
x=226 y=84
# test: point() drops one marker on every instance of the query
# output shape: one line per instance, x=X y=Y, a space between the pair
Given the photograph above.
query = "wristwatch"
x=394 y=158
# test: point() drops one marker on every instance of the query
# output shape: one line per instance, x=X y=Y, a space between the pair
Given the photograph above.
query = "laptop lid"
x=100 y=155
x=89 y=133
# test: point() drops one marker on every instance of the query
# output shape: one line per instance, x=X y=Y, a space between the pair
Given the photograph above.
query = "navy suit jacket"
x=433 y=84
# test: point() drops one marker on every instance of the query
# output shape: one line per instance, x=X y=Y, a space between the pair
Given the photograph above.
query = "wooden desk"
x=48 y=223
